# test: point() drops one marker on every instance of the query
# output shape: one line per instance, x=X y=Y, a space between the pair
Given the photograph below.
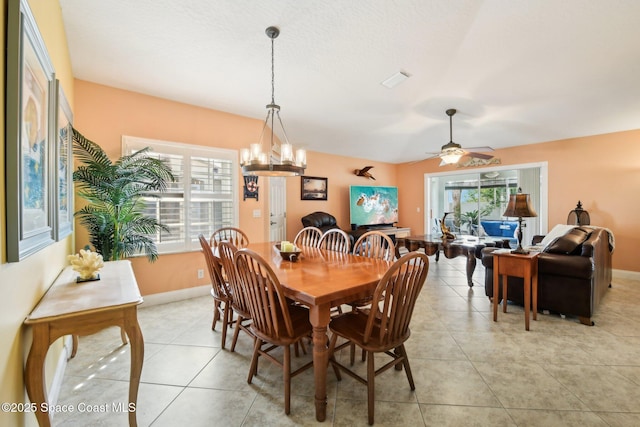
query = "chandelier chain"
x=273 y=74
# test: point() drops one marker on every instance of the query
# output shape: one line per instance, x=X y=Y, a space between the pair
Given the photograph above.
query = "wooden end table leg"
x=534 y=290
x=74 y=346
x=505 y=282
x=136 y=341
x=496 y=288
x=34 y=373
x=527 y=301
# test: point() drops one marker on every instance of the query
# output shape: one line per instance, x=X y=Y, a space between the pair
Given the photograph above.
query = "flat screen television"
x=372 y=205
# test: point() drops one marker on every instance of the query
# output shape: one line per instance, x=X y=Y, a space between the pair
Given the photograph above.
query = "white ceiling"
x=518 y=71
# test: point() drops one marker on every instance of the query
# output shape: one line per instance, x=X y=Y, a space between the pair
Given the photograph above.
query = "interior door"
x=277 y=209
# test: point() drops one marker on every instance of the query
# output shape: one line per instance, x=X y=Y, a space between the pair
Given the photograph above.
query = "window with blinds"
x=203 y=198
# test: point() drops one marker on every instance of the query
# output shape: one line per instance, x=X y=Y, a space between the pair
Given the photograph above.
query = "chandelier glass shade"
x=256 y=161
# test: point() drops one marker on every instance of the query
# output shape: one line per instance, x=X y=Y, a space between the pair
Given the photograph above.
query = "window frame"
x=188 y=151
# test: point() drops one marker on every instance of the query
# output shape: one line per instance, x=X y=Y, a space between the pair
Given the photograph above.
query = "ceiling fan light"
x=450 y=158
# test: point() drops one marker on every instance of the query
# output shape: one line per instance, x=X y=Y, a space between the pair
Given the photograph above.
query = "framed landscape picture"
x=30 y=115
x=313 y=188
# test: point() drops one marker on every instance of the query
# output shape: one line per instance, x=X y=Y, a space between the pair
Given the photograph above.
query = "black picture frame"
x=30 y=132
x=313 y=188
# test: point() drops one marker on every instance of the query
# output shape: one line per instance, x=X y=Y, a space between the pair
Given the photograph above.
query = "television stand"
x=393 y=232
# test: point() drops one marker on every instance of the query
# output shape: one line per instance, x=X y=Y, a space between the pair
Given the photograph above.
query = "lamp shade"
x=519 y=206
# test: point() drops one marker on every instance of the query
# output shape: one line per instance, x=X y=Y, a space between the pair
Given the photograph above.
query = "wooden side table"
x=519 y=265
x=70 y=308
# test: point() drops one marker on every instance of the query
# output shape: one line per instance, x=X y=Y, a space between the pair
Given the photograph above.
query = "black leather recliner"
x=321 y=220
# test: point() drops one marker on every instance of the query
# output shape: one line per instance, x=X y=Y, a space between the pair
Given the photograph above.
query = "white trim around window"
x=204 y=197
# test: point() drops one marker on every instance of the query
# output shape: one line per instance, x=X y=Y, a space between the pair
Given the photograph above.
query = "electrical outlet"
x=200 y=273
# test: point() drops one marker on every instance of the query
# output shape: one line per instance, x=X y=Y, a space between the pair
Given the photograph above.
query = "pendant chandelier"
x=254 y=160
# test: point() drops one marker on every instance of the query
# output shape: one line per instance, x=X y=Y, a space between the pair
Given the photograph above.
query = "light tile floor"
x=468 y=369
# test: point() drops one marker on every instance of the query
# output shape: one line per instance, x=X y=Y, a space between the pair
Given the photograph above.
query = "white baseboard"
x=61 y=366
x=625 y=274
x=179 y=295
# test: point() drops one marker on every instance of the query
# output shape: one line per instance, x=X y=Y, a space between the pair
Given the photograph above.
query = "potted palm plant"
x=114 y=215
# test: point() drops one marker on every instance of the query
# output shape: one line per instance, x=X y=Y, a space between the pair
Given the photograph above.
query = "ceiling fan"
x=452 y=152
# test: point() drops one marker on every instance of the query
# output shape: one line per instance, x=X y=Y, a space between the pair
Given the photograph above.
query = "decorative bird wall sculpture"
x=364 y=172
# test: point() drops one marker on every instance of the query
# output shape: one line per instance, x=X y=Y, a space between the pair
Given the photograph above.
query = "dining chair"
x=384 y=330
x=275 y=323
x=220 y=292
x=239 y=304
x=372 y=244
x=230 y=234
x=308 y=236
x=335 y=240
x=375 y=244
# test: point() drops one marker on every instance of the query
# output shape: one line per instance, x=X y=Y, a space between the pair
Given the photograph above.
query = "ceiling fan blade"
x=479 y=155
x=431 y=156
x=479 y=149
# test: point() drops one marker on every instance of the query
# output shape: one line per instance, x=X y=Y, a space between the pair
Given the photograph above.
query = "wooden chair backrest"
x=226 y=252
x=308 y=236
x=267 y=304
x=230 y=234
x=397 y=292
x=375 y=244
x=335 y=240
x=219 y=285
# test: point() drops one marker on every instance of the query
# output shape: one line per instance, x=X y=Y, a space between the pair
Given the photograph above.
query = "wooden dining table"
x=321 y=279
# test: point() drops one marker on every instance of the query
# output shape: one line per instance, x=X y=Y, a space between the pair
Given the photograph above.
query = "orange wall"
x=579 y=168
x=602 y=171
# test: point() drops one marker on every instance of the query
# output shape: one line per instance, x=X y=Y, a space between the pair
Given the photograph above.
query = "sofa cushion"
x=569 y=243
x=557 y=231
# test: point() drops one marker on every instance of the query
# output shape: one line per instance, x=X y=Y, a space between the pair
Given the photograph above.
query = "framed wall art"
x=63 y=168
x=313 y=188
x=30 y=135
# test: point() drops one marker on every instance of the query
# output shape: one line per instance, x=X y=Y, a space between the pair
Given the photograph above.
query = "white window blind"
x=203 y=198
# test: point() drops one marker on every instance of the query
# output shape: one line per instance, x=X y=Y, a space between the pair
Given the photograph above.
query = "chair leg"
x=286 y=372
x=332 y=356
x=371 y=374
x=236 y=332
x=253 y=369
x=407 y=368
x=352 y=353
x=216 y=313
x=225 y=323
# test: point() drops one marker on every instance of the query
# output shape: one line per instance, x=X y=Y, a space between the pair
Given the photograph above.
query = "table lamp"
x=519 y=206
x=578 y=216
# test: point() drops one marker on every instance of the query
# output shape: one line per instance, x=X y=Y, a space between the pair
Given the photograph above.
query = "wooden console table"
x=70 y=308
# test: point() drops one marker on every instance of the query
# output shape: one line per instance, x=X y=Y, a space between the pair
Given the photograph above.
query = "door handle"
x=272 y=223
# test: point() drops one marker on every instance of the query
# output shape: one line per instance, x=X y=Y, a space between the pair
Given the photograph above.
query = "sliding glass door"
x=472 y=203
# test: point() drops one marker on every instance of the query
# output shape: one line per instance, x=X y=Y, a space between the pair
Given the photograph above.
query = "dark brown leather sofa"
x=574 y=273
